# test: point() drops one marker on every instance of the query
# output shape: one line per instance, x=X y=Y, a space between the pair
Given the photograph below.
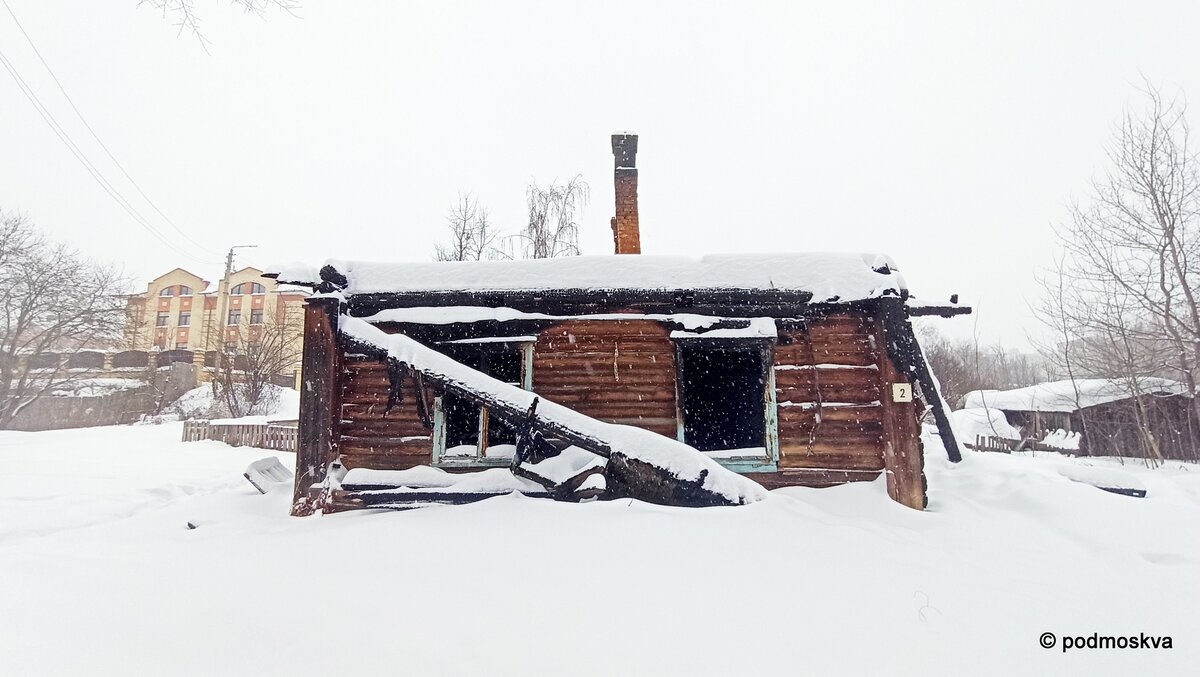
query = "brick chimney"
x=626 y=236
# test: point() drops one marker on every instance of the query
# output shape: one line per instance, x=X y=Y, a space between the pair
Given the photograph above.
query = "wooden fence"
x=278 y=435
x=1007 y=446
x=987 y=443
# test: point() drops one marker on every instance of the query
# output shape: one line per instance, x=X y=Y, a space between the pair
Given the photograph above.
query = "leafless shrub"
x=256 y=364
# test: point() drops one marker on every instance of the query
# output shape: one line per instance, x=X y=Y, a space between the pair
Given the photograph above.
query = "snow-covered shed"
x=1141 y=417
x=789 y=369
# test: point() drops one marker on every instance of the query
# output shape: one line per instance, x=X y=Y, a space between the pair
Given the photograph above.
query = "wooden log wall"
x=370 y=436
x=829 y=392
x=615 y=371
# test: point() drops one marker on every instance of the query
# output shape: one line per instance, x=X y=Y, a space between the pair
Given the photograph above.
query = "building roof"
x=828 y=277
x=1065 y=396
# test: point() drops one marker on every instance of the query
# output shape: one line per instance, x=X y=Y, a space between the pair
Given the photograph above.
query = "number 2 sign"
x=902 y=392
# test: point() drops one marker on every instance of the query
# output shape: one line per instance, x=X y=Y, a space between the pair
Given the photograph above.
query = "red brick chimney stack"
x=626 y=236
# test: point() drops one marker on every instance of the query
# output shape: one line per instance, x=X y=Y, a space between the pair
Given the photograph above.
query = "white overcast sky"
x=948 y=135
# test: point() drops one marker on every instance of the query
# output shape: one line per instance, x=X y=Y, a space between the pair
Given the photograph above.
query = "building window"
x=185 y=319
x=256 y=316
x=231 y=346
x=235 y=317
x=181 y=345
x=185 y=290
x=462 y=422
x=248 y=288
x=162 y=319
x=167 y=291
x=723 y=389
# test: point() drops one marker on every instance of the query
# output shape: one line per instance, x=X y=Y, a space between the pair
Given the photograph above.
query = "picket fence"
x=277 y=435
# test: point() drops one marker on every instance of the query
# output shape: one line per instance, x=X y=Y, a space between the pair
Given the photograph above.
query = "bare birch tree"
x=552 y=229
x=52 y=300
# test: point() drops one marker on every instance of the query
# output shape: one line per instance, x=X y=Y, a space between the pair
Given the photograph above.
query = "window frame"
x=185 y=319
x=769 y=461
x=261 y=316
x=230 y=314
x=523 y=344
x=162 y=319
x=185 y=290
x=166 y=291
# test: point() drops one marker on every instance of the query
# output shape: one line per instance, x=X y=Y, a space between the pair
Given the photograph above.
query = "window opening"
x=723 y=398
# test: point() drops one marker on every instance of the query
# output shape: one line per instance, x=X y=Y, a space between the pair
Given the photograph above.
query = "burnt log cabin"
x=791 y=369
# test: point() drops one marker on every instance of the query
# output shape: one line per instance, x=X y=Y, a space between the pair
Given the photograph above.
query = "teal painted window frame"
x=770 y=461
x=439 y=423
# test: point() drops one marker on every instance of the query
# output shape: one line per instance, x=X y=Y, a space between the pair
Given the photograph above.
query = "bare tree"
x=52 y=300
x=963 y=365
x=256 y=364
x=472 y=236
x=1123 y=302
x=552 y=229
x=188 y=21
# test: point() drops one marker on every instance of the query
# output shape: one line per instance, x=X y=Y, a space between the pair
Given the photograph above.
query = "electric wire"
x=95 y=136
x=61 y=133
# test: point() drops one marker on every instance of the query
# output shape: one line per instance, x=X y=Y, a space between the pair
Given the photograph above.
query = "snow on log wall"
x=829 y=391
x=371 y=438
x=614 y=371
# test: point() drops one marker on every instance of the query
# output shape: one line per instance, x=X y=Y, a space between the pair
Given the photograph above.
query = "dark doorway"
x=723 y=397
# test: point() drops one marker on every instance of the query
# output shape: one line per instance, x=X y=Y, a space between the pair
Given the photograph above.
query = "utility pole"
x=223 y=299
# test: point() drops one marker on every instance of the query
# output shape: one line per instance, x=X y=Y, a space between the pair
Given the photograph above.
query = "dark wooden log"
x=394 y=498
x=631 y=478
x=902 y=452
x=320 y=396
x=905 y=351
x=812 y=477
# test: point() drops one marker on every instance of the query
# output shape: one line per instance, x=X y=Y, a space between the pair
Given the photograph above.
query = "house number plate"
x=902 y=392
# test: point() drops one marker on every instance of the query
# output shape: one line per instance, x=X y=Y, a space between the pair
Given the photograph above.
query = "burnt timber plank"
x=319 y=400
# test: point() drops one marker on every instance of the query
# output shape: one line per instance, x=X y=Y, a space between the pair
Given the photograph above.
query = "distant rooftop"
x=1065 y=396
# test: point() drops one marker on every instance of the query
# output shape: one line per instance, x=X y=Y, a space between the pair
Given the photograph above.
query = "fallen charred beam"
x=631 y=478
x=382 y=498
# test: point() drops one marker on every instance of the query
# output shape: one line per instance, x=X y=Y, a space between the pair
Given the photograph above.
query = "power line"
x=95 y=136
x=93 y=132
x=58 y=130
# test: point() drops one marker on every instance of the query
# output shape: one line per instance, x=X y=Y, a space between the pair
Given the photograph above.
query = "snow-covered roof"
x=827 y=276
x=1068 y=396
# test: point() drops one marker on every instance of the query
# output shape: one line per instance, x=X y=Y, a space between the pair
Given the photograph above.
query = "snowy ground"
x=102 y=577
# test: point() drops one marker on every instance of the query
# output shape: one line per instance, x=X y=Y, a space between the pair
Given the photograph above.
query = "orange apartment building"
x=178 y=311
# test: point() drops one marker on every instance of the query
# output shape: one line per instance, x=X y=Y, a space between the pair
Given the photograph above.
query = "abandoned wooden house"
x=792 y=369
x=1146 y=417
